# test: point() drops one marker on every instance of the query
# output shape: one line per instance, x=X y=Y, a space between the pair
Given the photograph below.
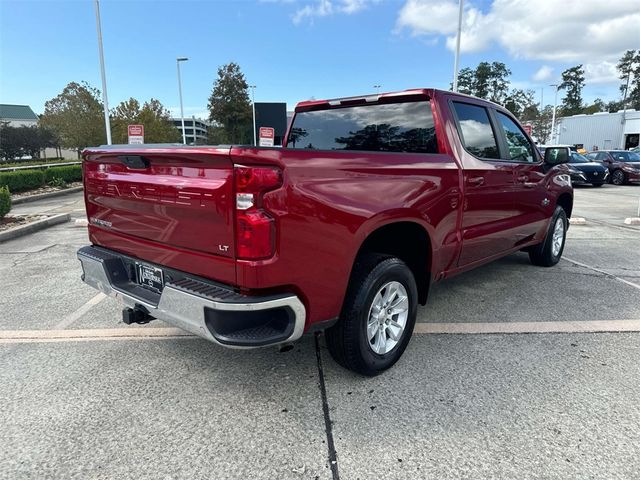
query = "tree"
x=466 y=79
x=629 y=70
x=488 y=80
x=572 y=82
x=597 y=106
x=76 y=116
x=229 y=105
x=498 y=82
x=482 y=78
x=156 y=119
x=542 y=124
x=10 y=147
x=521 y=103
x=16 y=142
x=614 y=106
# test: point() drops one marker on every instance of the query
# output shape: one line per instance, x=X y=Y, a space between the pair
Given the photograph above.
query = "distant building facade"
x=600 y=131
x=18 y=115
x=196 y=130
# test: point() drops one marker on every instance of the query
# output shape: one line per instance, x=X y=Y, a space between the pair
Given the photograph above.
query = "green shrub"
x=57 y=182
x=5 y=201
x=21 y=180
x=68 y=174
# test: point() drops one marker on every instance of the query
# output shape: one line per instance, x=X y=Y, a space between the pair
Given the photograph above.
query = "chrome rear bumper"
x=206 y=309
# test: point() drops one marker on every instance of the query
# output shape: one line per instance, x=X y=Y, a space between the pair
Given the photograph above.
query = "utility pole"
x=553 y=117
x=184 y=134
x=253 y=105
x=105 y=101
x=457 y=57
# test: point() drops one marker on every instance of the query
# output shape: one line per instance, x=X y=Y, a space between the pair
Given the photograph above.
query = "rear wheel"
x=548 y=253
x=378 y=315
x=618 y=177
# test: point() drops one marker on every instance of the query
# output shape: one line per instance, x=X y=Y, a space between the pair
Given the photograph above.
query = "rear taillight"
x=255 y=228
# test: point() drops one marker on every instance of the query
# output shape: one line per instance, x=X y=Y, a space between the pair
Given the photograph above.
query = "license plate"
x=150 y=277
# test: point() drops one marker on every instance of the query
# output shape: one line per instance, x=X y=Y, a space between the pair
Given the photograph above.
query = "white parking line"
x=145 y=333
x=69 y=319
x=595 y=326
x=83 y=335
x=631 y=284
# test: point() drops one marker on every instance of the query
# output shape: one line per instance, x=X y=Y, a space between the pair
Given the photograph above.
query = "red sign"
x=528 y=128
x=267 y=136
x=136 y=130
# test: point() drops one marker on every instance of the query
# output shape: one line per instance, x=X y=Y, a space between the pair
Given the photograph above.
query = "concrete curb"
x=34 y=227
x=43 y=196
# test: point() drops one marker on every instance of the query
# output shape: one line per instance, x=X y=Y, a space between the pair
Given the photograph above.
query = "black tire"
x=543 y=254
x=347 y=340
x=618 y=177
x=597 y=184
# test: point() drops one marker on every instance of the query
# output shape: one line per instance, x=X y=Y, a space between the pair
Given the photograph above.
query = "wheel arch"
x=565 y=200
x=410 y=242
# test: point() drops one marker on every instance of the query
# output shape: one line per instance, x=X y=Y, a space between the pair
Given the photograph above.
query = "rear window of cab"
x=392 y=127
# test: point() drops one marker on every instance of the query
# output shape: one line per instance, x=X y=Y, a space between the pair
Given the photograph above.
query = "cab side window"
x=476 y=131
x=520 y=149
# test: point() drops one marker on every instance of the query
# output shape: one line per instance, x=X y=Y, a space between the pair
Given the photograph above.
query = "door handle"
x=523 y=178
x=475 y=181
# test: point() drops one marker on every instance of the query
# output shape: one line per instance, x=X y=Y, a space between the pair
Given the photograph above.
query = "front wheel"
x=378 y=316
x=618 y=177
x=548 y=253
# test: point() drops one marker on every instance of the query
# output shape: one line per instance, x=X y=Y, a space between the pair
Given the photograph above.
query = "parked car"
x=624 y=166
x=584 y=171
x=371 y=200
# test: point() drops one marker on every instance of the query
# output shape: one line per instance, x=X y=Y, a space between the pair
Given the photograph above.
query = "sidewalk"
x=72 y=203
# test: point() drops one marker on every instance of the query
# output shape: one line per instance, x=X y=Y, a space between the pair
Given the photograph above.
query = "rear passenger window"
x=392 y=127
x=520 y=149
x=477 y=134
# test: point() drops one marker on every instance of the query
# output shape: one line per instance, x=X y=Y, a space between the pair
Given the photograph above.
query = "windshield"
x=626 y=156
x=577 y=158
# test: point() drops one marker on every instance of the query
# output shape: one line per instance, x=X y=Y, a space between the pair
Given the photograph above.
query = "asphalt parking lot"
x=514 y=372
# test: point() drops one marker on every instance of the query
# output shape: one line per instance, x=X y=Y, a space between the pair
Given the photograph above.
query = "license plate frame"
x=150 y=277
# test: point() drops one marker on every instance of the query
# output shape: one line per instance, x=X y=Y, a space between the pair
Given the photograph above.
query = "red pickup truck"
x=370 y=201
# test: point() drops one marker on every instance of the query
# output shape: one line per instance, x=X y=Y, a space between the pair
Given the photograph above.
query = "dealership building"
x=600 y=131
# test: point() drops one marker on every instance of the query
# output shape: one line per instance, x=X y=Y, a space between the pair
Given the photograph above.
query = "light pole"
x=105 y=101
x=377 y=87
x=553 y=117
x=457 y=57
x=253 y=106
x=184 y=134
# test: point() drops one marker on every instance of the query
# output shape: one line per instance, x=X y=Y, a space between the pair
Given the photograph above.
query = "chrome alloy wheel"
x=618 y=177
x=558 y=237
x=387 y=317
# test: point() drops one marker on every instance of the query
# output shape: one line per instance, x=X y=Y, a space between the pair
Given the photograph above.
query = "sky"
x=297 y=50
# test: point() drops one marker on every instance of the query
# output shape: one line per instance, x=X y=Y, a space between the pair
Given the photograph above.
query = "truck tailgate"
x=176 y=201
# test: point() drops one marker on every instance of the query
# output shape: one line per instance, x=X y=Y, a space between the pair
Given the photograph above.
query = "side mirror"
x=556 y=155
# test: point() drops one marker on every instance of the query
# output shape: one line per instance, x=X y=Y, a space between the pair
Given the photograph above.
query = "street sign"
x=528 y=128
x=267 y=135
x=136 y=134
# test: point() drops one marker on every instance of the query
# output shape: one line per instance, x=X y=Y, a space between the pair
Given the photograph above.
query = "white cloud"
x=543 y=74
x=324 y=8
x=603 y=72
x=585 y=31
